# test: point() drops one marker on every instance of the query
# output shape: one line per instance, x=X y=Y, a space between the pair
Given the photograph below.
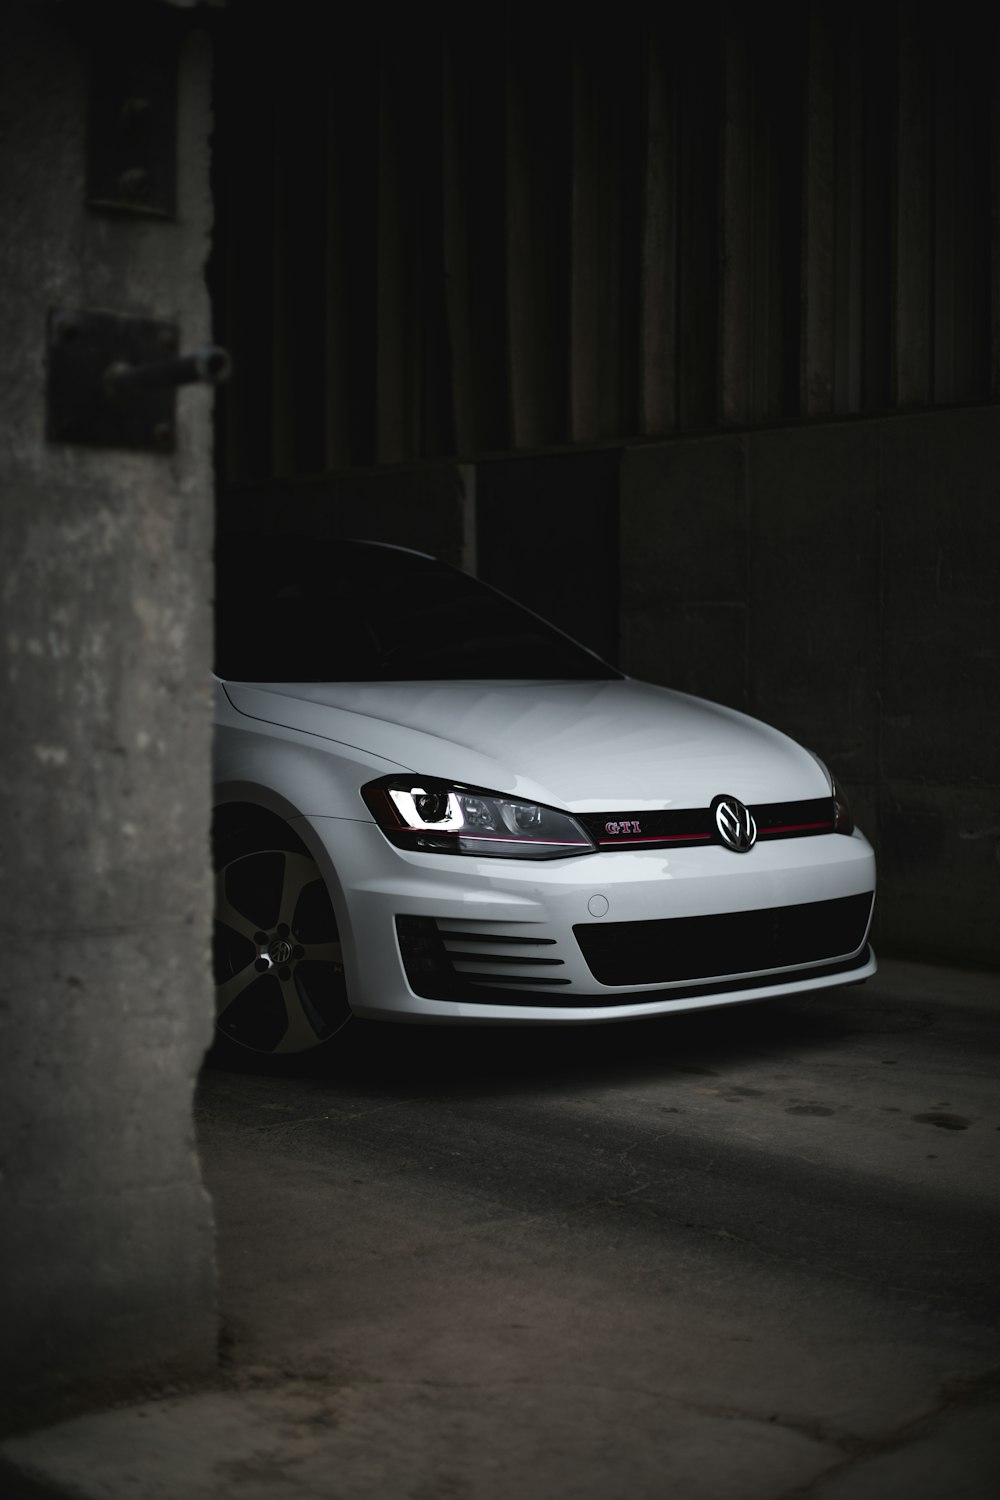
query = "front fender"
x=288 y=771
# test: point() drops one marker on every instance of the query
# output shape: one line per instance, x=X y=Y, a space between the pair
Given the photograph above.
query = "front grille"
x=691 y=827
x=676 y=949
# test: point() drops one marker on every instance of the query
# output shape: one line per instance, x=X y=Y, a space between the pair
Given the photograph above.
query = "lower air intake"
x=746 y=942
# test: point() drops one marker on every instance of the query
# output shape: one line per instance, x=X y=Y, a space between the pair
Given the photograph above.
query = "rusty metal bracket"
x=112 y=379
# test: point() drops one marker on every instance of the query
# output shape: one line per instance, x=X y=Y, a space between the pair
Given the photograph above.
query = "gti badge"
x=735 y=824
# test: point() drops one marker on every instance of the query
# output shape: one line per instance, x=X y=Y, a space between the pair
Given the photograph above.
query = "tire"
x=276 y=954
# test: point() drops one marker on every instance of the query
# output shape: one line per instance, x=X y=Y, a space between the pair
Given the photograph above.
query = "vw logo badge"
x=735 y=823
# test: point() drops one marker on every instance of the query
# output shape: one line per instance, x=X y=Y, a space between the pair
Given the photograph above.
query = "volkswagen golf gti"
x=433 y=806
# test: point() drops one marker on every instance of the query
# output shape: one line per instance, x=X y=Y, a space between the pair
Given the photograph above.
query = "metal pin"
x=208 y=366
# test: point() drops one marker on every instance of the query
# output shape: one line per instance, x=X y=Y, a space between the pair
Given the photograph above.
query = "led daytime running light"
x=406 y=805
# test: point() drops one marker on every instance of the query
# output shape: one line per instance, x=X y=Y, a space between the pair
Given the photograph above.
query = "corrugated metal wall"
x=461 y=233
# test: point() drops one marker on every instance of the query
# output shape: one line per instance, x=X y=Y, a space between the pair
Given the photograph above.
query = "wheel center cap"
x=280 y=951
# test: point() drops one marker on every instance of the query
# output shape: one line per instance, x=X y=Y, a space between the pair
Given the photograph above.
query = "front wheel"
x=279 y=971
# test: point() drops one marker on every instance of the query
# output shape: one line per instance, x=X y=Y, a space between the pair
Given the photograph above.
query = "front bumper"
x=507 y=926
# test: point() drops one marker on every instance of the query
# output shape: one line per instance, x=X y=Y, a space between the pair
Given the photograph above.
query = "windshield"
x=297 y=610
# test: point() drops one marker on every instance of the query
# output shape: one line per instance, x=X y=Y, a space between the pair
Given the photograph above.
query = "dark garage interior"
x=682 y=331
x=681 y=325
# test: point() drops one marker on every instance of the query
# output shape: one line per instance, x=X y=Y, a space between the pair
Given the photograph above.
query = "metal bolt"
x=261 y=965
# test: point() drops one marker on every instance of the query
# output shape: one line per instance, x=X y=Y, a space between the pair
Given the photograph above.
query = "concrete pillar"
x=106 y=1259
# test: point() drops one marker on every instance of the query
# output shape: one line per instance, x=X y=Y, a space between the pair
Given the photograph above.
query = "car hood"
x=586 y=746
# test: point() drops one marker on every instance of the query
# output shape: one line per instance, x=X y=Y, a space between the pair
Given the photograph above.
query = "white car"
x=431 y=805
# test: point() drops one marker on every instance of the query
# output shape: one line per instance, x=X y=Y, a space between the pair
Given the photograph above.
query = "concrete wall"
x=106 y=1262
x=842 y=582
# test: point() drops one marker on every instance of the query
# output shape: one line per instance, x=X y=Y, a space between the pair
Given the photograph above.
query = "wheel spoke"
x=226 y=913
x=301 y=1032
x=300 y=871
x=233 y=987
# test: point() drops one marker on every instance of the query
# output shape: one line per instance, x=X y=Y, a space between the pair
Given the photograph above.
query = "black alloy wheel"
x=277 y=960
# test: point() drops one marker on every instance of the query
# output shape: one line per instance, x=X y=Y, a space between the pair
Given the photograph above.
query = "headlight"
x=438 y=817
x=843 y=822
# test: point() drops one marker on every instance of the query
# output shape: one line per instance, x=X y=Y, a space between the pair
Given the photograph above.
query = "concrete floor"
x=745 y=1253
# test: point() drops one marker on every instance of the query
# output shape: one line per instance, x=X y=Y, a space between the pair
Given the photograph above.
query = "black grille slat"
x=503 y=958
x=449 y=936
x=672 y=950
x=514 y=980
